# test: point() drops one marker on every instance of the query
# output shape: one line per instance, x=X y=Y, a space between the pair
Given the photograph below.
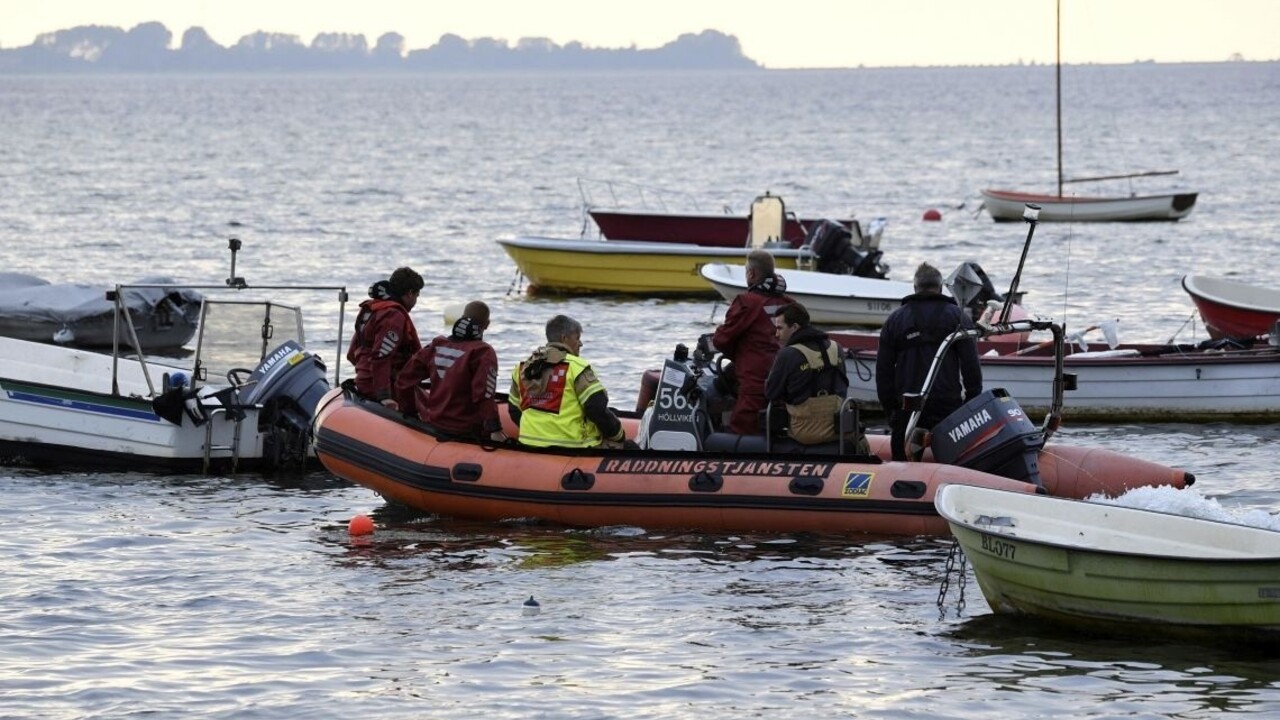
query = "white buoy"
x=531 y=607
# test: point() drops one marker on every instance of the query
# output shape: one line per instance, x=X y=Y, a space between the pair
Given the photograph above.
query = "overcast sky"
x=783 y=34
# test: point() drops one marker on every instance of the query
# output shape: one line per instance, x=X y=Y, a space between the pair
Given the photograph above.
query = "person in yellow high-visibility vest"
x=556 y=398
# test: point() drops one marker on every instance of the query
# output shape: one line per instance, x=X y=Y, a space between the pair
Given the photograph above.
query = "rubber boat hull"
x=368 y=445
x=1007 y=206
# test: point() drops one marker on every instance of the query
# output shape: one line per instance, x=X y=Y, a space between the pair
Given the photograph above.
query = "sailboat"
x=1007 y=205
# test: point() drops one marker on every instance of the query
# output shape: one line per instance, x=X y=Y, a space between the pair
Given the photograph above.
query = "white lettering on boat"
x=963 y=429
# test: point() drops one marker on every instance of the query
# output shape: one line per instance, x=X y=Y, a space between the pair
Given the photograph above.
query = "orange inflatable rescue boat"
x=706 y=486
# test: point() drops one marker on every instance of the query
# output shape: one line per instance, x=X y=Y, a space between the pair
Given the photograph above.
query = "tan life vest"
x=817 y=420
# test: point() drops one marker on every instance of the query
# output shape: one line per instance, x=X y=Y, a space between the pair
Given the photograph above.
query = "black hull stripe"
x=438 y=480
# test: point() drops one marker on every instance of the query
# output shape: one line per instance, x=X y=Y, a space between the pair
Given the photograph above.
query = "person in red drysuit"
x=384 y=337
x=462 y=371
x=748 y=338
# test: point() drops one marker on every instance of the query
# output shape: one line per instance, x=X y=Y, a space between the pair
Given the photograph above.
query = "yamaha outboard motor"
x=992 y=434
x=832 y=244
x=288 y=383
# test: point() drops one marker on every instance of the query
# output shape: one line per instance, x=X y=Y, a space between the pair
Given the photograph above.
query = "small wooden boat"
x=842 y=300
x=711 y=490
x=1125 y=383
x=1007 y=206
x=1233 y=309
x=638 y=268
x=78 y=315
x=1102 y=566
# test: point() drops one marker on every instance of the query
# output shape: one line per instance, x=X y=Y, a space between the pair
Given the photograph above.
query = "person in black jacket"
x=908 y=341
x=808 y=377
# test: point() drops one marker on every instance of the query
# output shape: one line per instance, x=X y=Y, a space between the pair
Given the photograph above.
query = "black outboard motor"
x=832 y=244
x=990 y=433
x=288 y=383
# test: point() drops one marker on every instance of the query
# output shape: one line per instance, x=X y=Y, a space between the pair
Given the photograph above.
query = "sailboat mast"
x=1058 y=86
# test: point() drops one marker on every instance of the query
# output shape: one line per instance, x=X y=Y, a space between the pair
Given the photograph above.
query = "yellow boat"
x=613 y=266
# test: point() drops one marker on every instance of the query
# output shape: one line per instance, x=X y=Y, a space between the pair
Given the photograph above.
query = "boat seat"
x=767 y=221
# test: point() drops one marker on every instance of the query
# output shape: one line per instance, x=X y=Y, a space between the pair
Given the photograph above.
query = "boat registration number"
x=999 y=548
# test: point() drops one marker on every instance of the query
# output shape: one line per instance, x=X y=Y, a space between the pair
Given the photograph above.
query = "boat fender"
x=576 y=479
x=908 y=489
x=706 y=481
x=467 y=472
x=806 y=485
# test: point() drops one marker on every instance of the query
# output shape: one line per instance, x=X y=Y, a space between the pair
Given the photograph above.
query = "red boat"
x=1233 y=309
x=697 y=228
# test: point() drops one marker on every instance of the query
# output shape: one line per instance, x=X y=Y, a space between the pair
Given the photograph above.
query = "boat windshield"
x=239 y=334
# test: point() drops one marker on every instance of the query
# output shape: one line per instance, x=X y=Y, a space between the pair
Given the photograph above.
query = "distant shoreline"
x=147 y=48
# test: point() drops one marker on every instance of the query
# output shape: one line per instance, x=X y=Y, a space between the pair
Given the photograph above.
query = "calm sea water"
x=128 y=595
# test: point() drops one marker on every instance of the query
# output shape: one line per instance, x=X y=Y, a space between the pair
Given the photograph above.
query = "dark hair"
x=404 y=281
x=928 y=278
x=560 y=326
x=795 y=314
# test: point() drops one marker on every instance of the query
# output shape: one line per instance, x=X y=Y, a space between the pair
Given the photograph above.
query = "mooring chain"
x=515 y=281
x=955 y=563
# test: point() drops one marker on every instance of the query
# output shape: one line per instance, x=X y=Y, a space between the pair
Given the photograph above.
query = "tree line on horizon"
x=147 y=48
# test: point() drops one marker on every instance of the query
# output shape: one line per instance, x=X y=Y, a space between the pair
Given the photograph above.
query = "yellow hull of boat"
x=557 y=270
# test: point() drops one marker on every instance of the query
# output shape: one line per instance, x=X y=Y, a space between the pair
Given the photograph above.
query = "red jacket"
x=748 y=338
x=464 y=381
x=383 y=342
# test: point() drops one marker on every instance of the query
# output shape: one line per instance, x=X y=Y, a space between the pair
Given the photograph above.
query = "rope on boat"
x=955 y=563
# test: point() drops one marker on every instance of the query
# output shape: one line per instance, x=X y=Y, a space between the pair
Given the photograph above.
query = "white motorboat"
x=238 y=401
x=1116 y=383
x=840 y=300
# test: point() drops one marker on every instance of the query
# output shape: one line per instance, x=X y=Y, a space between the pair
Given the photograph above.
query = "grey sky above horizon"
x=795 y=34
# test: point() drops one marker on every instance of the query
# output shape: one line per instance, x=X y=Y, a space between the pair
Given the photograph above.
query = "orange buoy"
x=360 y=525
x=932 y=215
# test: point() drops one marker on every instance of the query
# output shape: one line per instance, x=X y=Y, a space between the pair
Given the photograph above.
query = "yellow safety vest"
x=554 y=417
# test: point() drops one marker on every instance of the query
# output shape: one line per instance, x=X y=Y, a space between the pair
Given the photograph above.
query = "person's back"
x=462 y=370
x=385 y=337
x=748 y=338
x=556 y=398
x=909 y=341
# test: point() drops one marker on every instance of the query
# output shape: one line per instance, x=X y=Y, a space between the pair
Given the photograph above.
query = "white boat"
x=1106 y=566
x=238 y=401
x=79 y=315
x=1124 y=382
x=842 y=300
x=1007 y=205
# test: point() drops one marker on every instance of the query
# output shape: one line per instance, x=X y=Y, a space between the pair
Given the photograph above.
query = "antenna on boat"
x=1030 y=213
x=232 y=281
